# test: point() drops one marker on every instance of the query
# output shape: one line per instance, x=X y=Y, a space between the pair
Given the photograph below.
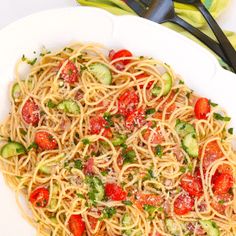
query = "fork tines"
x=140 y=9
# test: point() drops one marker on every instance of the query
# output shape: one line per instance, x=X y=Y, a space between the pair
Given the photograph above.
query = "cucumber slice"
x=69 y=106
x=55 y=191
x=210 y=227
x=101 y=72
x=96 y=188
x=183 y=128
x=190 y=144
x=172 y=227
x=12 y=149
x=16 y=91
x=167 y=85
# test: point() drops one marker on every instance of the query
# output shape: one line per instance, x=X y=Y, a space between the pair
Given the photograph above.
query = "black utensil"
x=225 y=44
x=161 y=11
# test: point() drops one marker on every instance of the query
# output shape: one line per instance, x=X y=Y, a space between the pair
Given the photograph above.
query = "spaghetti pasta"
x=116 y=145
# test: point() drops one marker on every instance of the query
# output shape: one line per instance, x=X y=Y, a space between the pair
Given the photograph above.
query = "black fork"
x=161 y=11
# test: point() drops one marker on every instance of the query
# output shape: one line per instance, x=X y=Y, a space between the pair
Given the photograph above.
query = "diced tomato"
x=115 y=192
x=222 y=183
x=135 y=119
x=220 y=201
x=99 y=123
x=69 y=72
x=202 y=108
x=225 y=169
x=144 y=75
x=120 y=54
x=196 y=229
x=128 y=102
x=89 y=166
x=183 y=204
x=156 y=135
x=142 y=199
x=79 y=95
x=39 y=197
x=212 y=153
x=30 y=112
x=92 y=221
x=76 y=225
x=45 y=140
x=192 y=185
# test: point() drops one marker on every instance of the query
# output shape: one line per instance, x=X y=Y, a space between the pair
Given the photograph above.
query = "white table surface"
x=11 y=10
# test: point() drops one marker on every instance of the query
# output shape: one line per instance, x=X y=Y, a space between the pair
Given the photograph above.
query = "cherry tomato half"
x=222 y=183
x=30 y=112
x=183 y=204
x=121 y=54
x=135 y=119
x=127 y=102
x=115 y=192
x=97 y=124
x=76 y=225
x=202 y=108
x=45 y=140
x=39 y=197
x=192 y=185
x=69 y=72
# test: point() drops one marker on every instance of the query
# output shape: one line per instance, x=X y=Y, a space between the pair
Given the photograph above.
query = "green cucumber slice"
x=119 y=139
x=96 y=188
x=101 y=72
x=127 y=221
x=183 y=128
x=190 y=144
x=69 y=106
x=16 y=91
x=12 y=149
x=210 y=227
x=167 y=85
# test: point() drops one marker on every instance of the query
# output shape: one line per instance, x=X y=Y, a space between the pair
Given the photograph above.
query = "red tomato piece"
x=88 y=167
x=202 y=108
x=157 y=136
x=39 y=197
x=222 y=183
x=135 y=119
x=115 y=192
x=142 y=199
x=225 y=169
x=219 y=202
x=69 y=72
x=127 y=102
x=99 y=123
x=45 y=140
x=120 y=54
x=120 y=161
x=145 y=75
x=30 y=112
x=212 y=153
x=183 y=204
x=76 y=225
x=92 y=221
x=192 y=185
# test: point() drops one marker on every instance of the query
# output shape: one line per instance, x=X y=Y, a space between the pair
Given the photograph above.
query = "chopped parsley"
x=80 y=195
x=181 y=82
x=119 y=139
x=78 y=164
x=149 y=175
x=66 y=49
x=230 y=130
x=32 y=145
x=29 y=61
x=107 y=213
x=218 y=116
x=159 y=150
x=150 y=111
x=213 y=104
x=127 y=203
x=51 y=104
x=107 y=116
x=129 y=156
x=22 y=131
x=104 y=173
x=85 y=141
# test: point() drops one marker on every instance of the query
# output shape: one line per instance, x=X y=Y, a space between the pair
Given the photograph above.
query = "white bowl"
x=56 y=28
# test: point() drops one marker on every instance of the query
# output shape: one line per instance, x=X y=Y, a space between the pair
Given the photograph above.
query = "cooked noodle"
x=146 y=173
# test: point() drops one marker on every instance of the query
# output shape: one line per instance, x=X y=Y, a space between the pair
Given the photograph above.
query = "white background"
x=11 y=10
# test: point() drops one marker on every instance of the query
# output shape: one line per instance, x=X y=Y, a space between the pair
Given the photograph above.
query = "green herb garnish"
x=218 y=116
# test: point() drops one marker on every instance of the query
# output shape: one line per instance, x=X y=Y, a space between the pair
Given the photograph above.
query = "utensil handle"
x=210 y=43
x=225 y=44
